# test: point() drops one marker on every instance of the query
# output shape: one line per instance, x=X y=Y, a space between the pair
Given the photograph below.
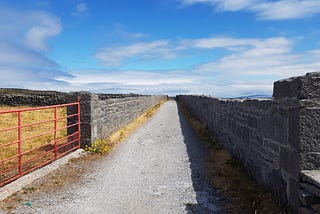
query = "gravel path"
x=159 y=169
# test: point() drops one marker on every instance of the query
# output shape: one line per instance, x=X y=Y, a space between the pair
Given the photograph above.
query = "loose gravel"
x=159 y=169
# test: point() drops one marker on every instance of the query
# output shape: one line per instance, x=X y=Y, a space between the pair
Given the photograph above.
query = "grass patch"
x=41 y=144
x=10 y=120
x=102 y=146
x=230 y=178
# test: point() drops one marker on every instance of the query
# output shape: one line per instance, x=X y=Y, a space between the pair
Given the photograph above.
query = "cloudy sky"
x=225 y=48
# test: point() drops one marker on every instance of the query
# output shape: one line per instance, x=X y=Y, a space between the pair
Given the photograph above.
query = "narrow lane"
x=159 y=169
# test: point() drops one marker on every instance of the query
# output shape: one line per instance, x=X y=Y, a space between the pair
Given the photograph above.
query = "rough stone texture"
x=302 y=87
x=257 y=132
x=274 y=138
x=309 y=138
x=15 y=97
x=102 y=114
x=32 y=100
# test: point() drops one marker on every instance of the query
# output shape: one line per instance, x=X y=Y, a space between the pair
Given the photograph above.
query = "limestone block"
x=301 y=87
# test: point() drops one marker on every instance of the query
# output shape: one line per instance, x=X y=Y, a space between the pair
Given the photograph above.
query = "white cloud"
x=45 y=27
x=287 y=9
x=17 y=56
x=231 y=5
x=271 y=58
x=221 y=42
x=234 y=5
x=142 y=82
x=224 y=5
x=113 y=56
x=30 y=78
x=250 y=66
x=130 y=77
x=29 y=28
x=22 y=67
x=266 y=9
x=166 y=49
x=23 y=41
x=273 y=45
x=162 y=82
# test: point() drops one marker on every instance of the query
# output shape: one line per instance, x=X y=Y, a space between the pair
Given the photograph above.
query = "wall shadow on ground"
x=209 y=200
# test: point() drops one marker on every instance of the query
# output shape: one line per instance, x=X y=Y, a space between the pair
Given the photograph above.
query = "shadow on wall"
x=209 y=200
x=276 y=139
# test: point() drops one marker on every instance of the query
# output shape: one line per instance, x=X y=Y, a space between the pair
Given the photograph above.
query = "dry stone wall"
x=101 y=115
x=16 y=97
x=274 y=138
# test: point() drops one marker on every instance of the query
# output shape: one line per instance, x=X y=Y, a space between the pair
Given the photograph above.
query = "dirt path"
x=159 y=169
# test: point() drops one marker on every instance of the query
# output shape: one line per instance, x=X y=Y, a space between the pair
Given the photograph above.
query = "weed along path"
x=159 y=169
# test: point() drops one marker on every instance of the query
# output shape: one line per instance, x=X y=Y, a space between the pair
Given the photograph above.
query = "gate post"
x=86 y=98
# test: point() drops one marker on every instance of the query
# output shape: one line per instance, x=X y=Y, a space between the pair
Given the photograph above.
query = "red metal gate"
x=27 y=151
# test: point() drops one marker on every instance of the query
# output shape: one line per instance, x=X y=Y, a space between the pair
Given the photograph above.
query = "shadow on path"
x=209 y=200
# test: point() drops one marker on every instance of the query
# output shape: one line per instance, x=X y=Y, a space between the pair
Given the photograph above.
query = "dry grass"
x=230 y=178
x=44 y=142
x=106 y=145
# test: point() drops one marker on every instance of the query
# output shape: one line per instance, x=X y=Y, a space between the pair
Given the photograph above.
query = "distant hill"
x=256 y=96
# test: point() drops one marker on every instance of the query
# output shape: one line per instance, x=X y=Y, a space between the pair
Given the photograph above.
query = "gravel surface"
x=25 y=180
x=159 y=169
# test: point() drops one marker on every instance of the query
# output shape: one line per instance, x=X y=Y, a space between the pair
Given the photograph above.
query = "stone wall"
x=274 y=138
x=16 y=97
x=102 y=115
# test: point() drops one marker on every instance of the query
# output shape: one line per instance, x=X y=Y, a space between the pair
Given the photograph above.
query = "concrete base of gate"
x=18 y=184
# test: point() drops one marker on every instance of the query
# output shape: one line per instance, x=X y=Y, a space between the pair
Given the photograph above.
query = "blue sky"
x=224 y=48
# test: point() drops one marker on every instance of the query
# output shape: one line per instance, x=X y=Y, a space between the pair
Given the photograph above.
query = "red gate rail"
x=27 y=157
